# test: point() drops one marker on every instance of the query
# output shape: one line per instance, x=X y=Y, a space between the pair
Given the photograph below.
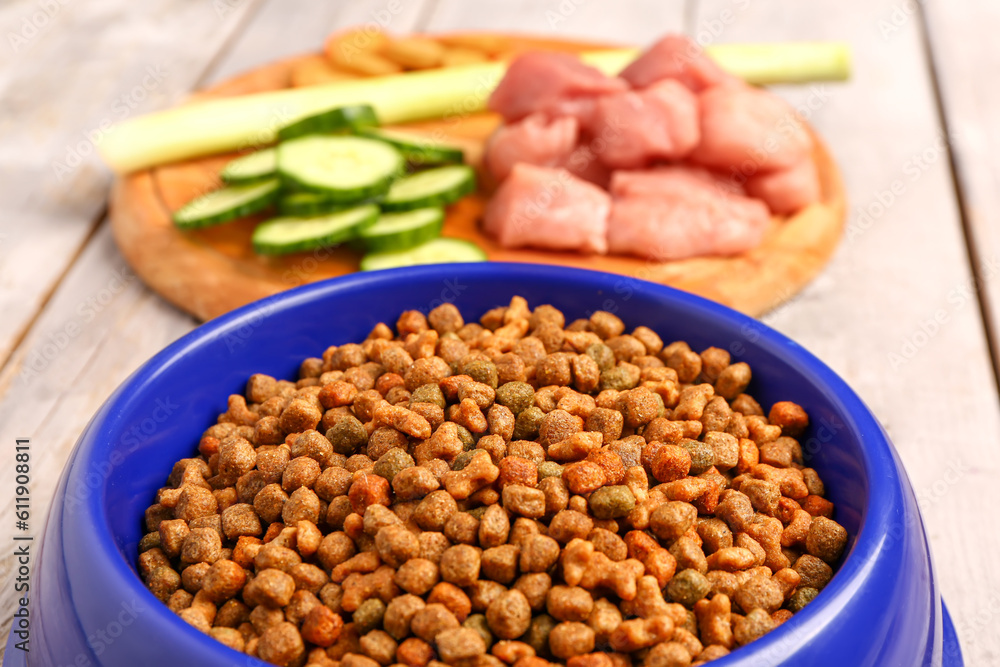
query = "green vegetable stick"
x=247 y=121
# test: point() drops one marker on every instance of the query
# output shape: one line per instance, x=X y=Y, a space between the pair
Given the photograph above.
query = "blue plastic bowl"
x=89 y=607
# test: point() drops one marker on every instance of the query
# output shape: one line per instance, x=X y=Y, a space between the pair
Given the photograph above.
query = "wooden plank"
x=101 y=323
x=91 y=65
x=891 y=314
x=963 y=50
x=628 y=22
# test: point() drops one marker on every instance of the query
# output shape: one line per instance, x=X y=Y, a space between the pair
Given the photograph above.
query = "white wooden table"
x=907 y=311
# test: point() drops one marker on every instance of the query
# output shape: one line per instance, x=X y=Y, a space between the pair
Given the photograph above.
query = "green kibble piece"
x=800 y=598
x=537 y=636
x=688 y=586
x=347 y=435
x=392 y=462
x=549 y=469
x=611 y=502
x=478 y=623
x=428 y=393
x=518 y=396
x=527 y=424
x=481 y=370
x=616 y=378
x=368 y=615
x=465 y=435
x=149 y=541
x=463 y=459
x=702 y=455
x=602 y=355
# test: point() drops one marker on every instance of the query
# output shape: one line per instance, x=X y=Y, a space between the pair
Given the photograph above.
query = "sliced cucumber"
x=401 y=231
x=305 y=204
x=434 y=187
x=438 y=251
x=255 y=166
x=332 y=120
x=294 y=234
x=416 y=149
x=344 y=168
x=228 y=203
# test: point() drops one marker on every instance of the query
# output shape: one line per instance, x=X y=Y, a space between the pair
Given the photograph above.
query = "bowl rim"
x=869 y=542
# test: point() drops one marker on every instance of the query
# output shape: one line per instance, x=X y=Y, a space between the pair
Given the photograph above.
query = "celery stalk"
x=216 y=126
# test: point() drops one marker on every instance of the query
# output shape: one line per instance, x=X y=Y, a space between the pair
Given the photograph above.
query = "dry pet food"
x=521 y=490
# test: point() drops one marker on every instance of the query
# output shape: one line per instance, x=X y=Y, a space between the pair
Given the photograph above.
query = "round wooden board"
x=210 y=272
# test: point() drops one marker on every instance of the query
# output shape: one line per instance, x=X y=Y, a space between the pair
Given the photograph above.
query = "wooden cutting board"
x=212 y=271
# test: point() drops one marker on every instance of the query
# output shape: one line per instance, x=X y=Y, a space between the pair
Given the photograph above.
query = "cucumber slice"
x=228 y=203
x=345 y=169
x=293 y=234
x=338 y=119
x=401 y=231
x=438 y=251
x=305 y=204
x=255 y=166
x=434 y=187
x=416 y=149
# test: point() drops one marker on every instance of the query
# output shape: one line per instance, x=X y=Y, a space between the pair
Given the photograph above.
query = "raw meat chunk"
x=535 y=140
x=548 y=208
x=660 y=122
x=536 y=80
x=686 y=215
x=676 y=57
x=749 y=129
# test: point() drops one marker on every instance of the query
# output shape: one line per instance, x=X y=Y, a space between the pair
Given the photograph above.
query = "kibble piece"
x=322 y=626
x=432 y=620
x=672 y=519
x=759 y=592
x=826 y=539
x=509 y=616
x=460 y=565
x=223 y=580
x=753 y=626
x=571 y=638
x=569 y=603
x=271 y=587
x=459 y=644
x=417 y=576
x=280 y=644
x=368 y=615
x=611 y=502
x=814 y=572
x=688 y=586
x=801 y=597
x=201 y=545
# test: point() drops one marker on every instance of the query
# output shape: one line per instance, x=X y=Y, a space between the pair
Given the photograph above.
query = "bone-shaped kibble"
x=586 y=567
x=479 y=472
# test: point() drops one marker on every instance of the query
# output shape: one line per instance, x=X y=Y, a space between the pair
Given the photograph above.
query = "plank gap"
x=426 y=15
x=975 y=258
x=227 y=44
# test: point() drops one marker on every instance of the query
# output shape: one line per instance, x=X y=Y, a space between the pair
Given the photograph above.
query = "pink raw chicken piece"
x=548 y=208
x=750 y=130
x=660 y=122
x=687 y=215
x=789 y=190
x=535 y=140
x=676 y=57
x=537 y=80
